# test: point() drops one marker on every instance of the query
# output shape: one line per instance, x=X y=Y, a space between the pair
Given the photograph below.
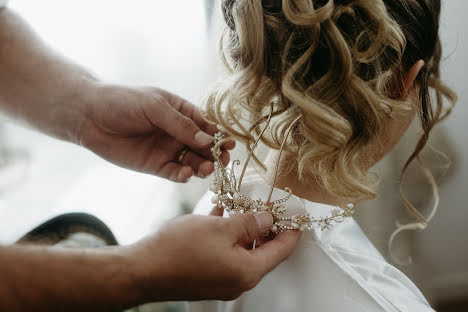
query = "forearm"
x=56 y=279
x=37 y=85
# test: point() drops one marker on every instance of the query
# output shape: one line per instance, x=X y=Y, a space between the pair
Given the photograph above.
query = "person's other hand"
x=207 y=257
x=146 y=129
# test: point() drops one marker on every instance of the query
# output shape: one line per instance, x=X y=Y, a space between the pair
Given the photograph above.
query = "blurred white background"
x=168 y=44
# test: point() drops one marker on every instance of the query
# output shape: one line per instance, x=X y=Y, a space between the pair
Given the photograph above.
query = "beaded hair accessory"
x=228 y=194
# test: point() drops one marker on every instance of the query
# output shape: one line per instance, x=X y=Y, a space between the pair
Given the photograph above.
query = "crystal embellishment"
x=228 y=196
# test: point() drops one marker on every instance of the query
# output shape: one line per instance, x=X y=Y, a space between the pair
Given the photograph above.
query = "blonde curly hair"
x=340 y=65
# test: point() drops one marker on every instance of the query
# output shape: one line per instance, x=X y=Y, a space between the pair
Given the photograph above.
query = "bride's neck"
x=287 y=177
x=311 y=190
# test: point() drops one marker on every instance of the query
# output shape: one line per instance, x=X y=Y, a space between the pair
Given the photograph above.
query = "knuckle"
x=186 y=124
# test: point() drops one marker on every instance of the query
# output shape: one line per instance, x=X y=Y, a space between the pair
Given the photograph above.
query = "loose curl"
x=341 y=66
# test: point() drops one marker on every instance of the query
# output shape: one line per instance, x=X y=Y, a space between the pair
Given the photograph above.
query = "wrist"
x=123 y=277
x=143 y=274
x=78 y=109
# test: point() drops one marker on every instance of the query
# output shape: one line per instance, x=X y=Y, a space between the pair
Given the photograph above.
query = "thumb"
x=272 y=253
x=248 y=227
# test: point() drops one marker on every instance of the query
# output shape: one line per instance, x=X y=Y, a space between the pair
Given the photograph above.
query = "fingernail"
x=264 y=220
x=202 y=138
x=182 y=177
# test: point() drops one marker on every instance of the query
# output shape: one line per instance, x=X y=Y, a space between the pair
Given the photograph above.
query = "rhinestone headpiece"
x=228 y=194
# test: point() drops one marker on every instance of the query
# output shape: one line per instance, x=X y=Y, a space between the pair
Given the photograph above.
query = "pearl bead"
x=213 y=188
x=215 y=199
x=294 y=226
x=336 y=211
x=274 y=228
x=237 y=199
x=350 y=206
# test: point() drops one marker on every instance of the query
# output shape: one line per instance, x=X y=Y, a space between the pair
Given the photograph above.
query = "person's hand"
x=147 y=129
x=144 y=129
x=207 y=257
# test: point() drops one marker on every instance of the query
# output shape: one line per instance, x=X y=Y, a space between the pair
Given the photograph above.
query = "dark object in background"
x=453 y=306
x=56 y=231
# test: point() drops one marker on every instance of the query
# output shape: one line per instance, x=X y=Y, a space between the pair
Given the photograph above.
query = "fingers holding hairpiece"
x=176 y=172
x=275 y=251
x=201 y=119
x=200 y=165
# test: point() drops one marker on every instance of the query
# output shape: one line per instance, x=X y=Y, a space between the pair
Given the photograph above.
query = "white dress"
x=331 y=270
